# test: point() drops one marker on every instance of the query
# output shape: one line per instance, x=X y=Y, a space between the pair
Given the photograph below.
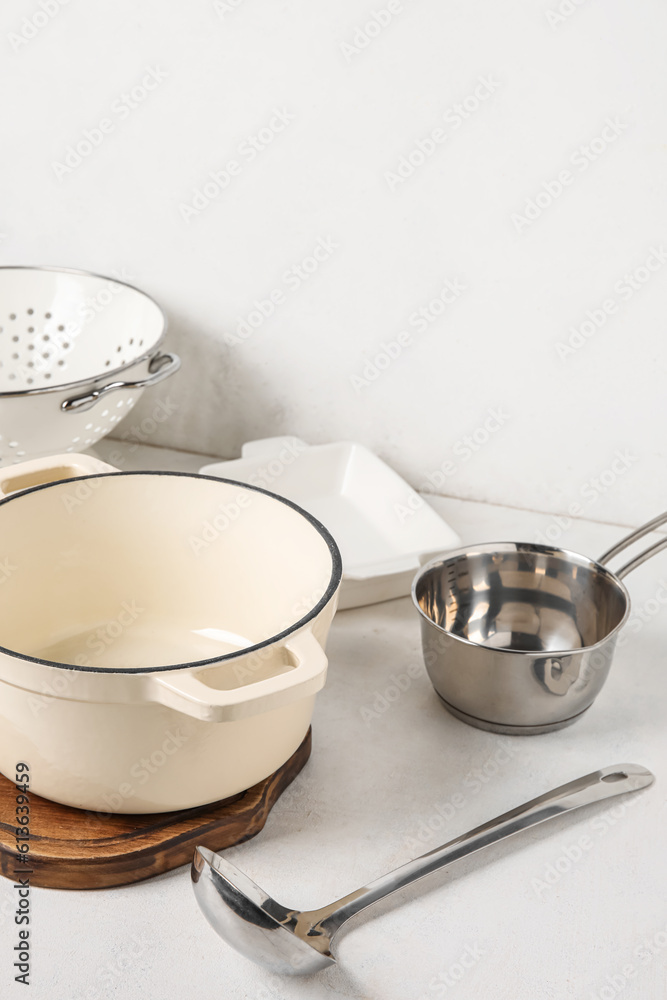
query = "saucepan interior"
x=522 y=597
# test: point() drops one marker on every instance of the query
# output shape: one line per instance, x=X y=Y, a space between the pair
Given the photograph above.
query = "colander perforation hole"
x=30 y=312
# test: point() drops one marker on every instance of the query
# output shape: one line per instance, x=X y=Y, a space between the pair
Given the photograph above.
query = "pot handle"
x=161 y=366
x=184 y=691
x=630 y=539
x=39 y=471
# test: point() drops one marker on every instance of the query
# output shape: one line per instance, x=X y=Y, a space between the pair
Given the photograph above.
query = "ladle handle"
x=630 y=539
x=591 y=788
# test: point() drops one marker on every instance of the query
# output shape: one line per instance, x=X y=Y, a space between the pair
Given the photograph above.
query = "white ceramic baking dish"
x=161 y=634
x=385 y=530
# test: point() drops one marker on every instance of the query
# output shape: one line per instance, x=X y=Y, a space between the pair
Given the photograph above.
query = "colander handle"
x=160 y=367
x=630 y=539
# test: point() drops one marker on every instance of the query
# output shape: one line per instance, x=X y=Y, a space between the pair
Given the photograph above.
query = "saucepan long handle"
x=591 y=788
x=630 y=539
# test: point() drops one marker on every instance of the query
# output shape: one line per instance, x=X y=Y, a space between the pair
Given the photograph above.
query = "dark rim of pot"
x=334 y=581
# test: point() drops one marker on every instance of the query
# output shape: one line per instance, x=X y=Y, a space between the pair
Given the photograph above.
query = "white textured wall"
x=339 y=118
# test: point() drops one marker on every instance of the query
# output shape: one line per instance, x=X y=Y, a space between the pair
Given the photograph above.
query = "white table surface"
x=370 y=794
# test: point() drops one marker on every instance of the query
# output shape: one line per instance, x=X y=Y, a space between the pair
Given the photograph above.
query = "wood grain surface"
x=76 y=849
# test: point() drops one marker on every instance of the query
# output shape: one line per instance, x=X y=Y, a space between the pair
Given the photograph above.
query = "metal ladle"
x=300 y=942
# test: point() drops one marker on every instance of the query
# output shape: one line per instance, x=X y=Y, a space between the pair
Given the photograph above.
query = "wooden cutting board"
x=76 y=849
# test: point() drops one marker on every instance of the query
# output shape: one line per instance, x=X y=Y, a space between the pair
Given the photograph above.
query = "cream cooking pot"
x=161 y=634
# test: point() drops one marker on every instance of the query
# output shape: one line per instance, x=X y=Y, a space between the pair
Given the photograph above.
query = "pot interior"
x=522 y=597
x=136 y=571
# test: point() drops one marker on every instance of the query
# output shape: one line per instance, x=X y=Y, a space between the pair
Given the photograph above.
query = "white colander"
x=76 y=352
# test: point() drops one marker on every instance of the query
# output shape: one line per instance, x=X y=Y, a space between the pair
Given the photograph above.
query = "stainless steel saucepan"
x=518 y=638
